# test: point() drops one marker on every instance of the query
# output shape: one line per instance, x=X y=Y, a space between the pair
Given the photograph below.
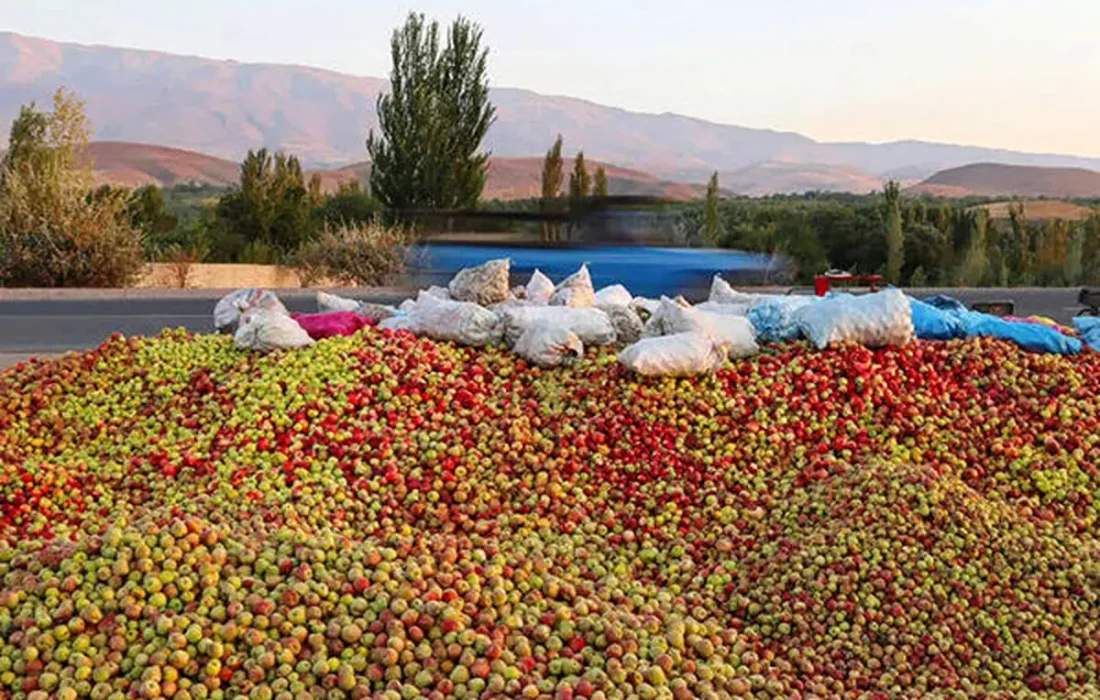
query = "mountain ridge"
x=224 y=107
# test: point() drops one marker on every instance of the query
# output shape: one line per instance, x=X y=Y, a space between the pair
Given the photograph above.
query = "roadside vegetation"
x=58 y=229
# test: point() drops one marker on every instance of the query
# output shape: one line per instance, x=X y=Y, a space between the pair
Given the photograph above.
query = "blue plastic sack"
x=774 y=318
x=1089 y=328
x=946 y=303
x=931 y=323
x=1030 y=336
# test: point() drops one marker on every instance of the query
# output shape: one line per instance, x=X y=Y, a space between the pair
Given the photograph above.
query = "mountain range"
x=136 y=164
x=223 y=108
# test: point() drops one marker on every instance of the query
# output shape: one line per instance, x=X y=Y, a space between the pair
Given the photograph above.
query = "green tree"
x=975 y=265
x=349 y=204
x=552 y=176
x=599 y=188
x=149 y=211
x=1072 y=268
x=712 y=224
x=433 y=120
x=580 y=185
x=271 y=210
x=895 y=234
x=54 y=230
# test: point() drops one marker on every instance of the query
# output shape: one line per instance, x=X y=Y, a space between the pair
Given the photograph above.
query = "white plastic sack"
x=458 y=321
x=547 y=345
x=722 y=293
x=873 y=320
x=614 y=295
x=396 y=323
x=485 y=284
x=407 y=306
x=440 y=292
x=734 y=332
x=645 y=307
x=228 y=310
x=266 y=330
x=590 y=324
x=628 y=324
x=539 y=288
x=575 y=290
x=509 y=304
x=714 y=307
x=668 y=319
x=328 y=303
x=677 y=355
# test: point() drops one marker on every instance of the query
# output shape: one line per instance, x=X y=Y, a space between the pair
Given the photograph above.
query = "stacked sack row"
x=550 y=324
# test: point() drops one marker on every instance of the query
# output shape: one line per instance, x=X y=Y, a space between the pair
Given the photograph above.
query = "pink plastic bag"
x=331 y=324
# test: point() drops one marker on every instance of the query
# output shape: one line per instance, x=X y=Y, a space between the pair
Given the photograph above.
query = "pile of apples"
x=382 y=516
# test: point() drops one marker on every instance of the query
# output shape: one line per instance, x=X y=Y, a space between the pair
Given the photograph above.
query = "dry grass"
x=1041 y=210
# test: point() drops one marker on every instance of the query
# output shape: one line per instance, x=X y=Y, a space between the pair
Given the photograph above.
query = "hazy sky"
x=1021 y=74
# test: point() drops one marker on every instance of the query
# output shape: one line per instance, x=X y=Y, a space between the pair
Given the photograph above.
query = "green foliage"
x=433 y=120
x=54 y=229
x=368 y=254
x=599 y=188
x=350 y=204
x=918 y=278
x=949 y=241
x=580 y=184
x=272 y=209
x=895 y=236
x=711 y=222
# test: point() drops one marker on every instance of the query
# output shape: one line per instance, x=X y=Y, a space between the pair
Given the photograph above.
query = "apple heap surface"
x=381 y=516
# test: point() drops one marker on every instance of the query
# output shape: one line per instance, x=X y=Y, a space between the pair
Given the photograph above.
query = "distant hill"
x=787 y=178
x=224 y=108
x=1041 y=210
x=136 y=164
x=993 y=180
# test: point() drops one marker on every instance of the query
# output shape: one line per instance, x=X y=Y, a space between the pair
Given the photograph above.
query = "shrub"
x=52 y=234
x=365 y=255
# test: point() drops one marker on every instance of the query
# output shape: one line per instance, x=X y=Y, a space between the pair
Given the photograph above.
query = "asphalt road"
x=59 y=322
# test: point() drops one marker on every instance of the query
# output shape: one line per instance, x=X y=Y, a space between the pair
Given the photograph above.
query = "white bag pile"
x=266 y=330
x=550 y=325
x=872 y=320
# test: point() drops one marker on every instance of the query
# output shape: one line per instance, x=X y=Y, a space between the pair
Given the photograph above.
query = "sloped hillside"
x=992 y=180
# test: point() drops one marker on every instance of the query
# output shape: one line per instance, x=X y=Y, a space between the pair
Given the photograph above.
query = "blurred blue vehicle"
x=645 y=271
x=624 y=240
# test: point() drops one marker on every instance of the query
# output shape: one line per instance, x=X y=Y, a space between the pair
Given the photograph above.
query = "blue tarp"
x=943 y=318
x=1089 y=328
x=1030 y=336
x=945 y=303
x=932 y=323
